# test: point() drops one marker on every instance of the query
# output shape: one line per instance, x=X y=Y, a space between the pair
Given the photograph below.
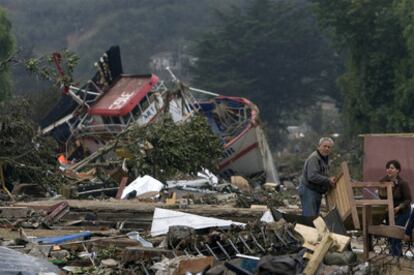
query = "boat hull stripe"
x=239 y=155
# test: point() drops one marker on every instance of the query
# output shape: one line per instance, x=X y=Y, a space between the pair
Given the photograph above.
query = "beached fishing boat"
x=246 y=152
x=111 y=101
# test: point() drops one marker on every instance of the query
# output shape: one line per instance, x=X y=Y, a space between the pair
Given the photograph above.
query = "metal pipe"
x=245 y=244
x=224 y=251
x=257 y=243
x=212 y=253
x=234 y=247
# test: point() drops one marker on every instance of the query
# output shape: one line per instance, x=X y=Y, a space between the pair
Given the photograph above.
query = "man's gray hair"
x=322 y=139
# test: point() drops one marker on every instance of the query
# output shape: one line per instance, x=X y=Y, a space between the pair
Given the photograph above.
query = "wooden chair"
x=370 y=230
x=343 y=197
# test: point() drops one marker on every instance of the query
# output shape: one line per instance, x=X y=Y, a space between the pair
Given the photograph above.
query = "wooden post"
x=391 y=216
x=367 y=221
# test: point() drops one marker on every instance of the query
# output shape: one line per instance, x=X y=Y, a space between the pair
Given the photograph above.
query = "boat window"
x=136 y=112
x=187 y=107
x=126 y=118
x=151 y=96
x=116 y=120
x=106 y=120
x=144 y=103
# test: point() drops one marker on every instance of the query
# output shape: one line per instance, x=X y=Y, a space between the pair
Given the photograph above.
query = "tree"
x=28 y=156
x=6 y=51
x=164 y=148
x=273 y=53
x=377 y=85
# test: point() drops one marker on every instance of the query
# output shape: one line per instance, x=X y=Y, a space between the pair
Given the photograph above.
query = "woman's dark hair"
x=394 y=162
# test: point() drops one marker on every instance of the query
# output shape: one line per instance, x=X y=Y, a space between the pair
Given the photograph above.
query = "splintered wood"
x=320 y=241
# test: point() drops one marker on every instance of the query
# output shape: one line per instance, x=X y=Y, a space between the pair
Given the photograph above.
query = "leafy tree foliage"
x=56 y=67
x=6 y=50
x=164 y=148
x=28 y=156
x=271 y=52
x=378 y=82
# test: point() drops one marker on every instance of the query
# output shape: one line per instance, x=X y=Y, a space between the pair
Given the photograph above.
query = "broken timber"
x=135 y=214
x=320 y=240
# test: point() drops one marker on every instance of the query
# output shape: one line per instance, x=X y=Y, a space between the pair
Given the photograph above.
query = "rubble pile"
x=132 y=237
x=105 y=217
x=142 y=178
x=52 y=233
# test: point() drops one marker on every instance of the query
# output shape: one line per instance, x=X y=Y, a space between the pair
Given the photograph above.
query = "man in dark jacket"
x=315 y=180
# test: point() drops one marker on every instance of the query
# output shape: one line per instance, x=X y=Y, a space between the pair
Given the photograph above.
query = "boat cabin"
x=131 y=98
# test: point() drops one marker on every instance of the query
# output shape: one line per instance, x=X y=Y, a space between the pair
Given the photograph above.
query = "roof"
x=124 y=95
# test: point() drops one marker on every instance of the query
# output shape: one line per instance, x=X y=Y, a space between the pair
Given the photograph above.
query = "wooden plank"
x=320 y=226
x=172 y=200
x=312 y=237
x=259 y=206
x=308 y=233
x=346 y=196
x=378 y=184
x=391 y=231
x=371 y=202
x=365 y=184
x=318 y=255
x=122 y=242
x=137 y=208
x=10 y=212
x=342 y=198
x=340 y=241
x=121 y=188
x=96 y=191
